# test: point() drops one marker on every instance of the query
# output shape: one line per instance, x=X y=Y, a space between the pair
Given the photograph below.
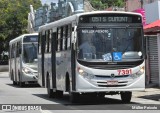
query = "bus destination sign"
x=30 y=39
x=110 y=19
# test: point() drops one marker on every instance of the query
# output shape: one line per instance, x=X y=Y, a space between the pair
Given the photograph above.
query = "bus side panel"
x=63 y=61
x=18 y=69
x=59 y=71
x=47 y=67
x=40 y=70
x=50 y=69
x=9 y=62
x=12 y=68
x=41 y=78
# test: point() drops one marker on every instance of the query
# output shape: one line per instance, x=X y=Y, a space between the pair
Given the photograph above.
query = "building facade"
x=152 y=36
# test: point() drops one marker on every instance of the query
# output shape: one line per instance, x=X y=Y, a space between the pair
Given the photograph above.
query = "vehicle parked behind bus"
x=94 y=53
x=23 y=59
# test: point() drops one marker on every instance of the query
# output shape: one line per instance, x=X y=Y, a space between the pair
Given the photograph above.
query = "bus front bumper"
x=83 y=85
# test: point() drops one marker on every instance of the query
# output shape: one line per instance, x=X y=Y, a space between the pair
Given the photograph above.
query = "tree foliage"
x=103 y=4
x=13 y=19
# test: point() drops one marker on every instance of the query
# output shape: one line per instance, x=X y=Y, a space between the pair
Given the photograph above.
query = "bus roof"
x=72 y=18
x=21 y=36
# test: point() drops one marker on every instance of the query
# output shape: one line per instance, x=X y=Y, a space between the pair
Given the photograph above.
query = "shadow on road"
x=83 y=100
x=86 y=103
x=25 y=86
x=155 y=97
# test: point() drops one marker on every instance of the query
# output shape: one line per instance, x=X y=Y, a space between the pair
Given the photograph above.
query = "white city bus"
x=112 y=63
x=23 y=59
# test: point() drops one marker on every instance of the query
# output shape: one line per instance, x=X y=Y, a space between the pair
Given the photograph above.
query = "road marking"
x=45 y=111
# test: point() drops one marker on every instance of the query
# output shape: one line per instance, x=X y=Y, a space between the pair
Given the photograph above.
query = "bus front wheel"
x=126 y=97
x=74 y=97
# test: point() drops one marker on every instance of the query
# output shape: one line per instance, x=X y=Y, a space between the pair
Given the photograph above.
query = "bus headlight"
x=85 y=74
x=26 y=71
x=140 y=72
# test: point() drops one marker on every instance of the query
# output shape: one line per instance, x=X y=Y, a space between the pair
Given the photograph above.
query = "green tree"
x=14 y=19
x=103 y=4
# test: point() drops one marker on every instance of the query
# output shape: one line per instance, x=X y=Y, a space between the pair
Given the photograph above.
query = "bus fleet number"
x=124 y=72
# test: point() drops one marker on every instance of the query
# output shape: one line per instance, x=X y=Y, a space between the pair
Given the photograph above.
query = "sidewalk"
x=149 y=93
x=4 y=68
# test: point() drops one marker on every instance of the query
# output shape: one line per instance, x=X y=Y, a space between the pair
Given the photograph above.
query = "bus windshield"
x=30 y=52
x=110 y=44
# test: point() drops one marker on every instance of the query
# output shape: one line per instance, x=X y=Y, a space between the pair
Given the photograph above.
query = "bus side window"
x=61 y=39
x=20 y=48
x=64 y=38
x=17 y=46
x=49 y=41
x=39 y=43
x=46 y=33
x=69 y=37
x=58 y=39
x=12 y=51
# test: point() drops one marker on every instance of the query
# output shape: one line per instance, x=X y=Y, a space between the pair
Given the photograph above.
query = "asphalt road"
x=33 y=95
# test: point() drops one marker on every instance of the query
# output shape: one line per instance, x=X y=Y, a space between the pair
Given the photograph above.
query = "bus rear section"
x=23 y=59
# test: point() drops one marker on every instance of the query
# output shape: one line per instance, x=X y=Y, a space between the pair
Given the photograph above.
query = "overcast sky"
x=49 y=1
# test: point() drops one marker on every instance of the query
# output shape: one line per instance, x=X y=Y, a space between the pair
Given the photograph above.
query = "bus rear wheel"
x=12 y=78
x=21 y=84
x=59 y=94
x=14 y=83
x=50 y=92
x=126 y=97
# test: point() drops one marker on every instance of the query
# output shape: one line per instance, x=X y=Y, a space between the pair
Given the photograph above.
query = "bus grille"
x=120 y=84
x=108 y=76
x=111 y=67
x=111 y=85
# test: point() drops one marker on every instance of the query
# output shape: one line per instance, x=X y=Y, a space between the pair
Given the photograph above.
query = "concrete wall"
x=4 y=68
x=158 y=36
x=152 y=12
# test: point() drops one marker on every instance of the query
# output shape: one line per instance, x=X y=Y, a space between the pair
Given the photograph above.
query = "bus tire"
x=59 y=94
x=74 y=97
x=126 y=97
x=101 y=95
x=50 y=92
x=21 y=84
x=12 y=78
x=14 y=83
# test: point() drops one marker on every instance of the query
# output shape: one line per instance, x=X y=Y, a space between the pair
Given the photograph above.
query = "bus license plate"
x=112 y=82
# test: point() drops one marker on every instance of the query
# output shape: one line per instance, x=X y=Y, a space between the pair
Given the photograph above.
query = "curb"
x=4 y=68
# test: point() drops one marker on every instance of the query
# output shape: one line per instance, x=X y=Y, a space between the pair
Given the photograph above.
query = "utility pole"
x=125 y=5
x=141 y=1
